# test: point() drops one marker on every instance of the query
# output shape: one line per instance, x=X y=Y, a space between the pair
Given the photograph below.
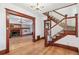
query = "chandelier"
x=37 y=6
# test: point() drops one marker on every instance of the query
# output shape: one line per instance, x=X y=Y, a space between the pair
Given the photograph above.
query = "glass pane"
x=71 y=24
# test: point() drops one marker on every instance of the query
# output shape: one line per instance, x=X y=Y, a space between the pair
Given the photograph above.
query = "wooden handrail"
x=58 y=13
x=66 y=6
x=62 y=8
x=70 y=17
x=57 y=23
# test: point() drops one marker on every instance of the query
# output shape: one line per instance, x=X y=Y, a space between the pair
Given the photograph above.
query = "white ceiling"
x=47 y=6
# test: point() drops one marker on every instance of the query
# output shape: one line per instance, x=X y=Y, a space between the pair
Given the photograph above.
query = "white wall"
x=2 y=28
x=3 y=22
x=39 y=27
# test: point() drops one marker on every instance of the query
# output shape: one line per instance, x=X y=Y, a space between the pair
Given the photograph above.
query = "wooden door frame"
x=12 y=12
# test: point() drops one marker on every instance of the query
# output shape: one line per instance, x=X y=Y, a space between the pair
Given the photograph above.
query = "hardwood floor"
x=25 y=46
x=17 y=42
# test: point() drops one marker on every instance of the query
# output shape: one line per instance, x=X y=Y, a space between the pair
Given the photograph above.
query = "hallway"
x=25 y=46
x=16 y=42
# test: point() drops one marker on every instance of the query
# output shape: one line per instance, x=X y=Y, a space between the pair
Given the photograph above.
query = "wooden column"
x=45 y=34
x=65 y=22
x=21 y=28
x=7 y=32
x=33 y=33
x=50 y=25
x=76 y=23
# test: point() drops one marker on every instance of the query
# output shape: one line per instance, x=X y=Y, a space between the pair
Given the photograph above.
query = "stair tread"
x=54 y=37
x=58 y=36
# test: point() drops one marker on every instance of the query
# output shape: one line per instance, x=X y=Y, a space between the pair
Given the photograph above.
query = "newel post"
x=65 y=23
x=76 y=27
x=45 y=34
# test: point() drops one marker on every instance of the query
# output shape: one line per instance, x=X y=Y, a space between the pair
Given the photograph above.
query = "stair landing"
x=69 y=40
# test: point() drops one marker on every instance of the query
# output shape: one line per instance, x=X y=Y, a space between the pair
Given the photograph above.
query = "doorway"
x=18 y=27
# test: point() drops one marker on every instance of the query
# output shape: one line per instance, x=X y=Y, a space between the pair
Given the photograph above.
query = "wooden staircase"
x=60 y=34
x=62 y=24
x=54 y=19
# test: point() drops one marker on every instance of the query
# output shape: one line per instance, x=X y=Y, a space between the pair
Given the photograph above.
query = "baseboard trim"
x=42 y=38
x=26 y=34
x=39 y=38
x=66 y=47
x=3 y=52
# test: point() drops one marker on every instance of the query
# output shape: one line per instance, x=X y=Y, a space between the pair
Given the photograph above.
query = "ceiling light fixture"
x=37 y=6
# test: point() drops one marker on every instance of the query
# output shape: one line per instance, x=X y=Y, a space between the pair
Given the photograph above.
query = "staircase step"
x=57 y=38
x=58 y=35
x=70 y=32
x=54 y=37
x=62 y=31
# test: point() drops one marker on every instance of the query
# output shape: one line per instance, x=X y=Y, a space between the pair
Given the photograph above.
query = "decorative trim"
x=18 y=13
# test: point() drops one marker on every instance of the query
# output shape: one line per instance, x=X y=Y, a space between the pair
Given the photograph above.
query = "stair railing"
x=57 y=23
x=58 y=13
x=48 y=28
